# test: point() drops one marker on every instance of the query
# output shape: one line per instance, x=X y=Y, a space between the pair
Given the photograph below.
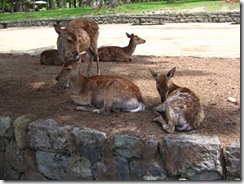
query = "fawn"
x=51 y=57
x=79 y=35
x=101 y=94
x=119 y=54
x=181 y=108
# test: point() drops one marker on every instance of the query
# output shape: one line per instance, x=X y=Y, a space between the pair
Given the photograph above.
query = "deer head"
x=163 y=83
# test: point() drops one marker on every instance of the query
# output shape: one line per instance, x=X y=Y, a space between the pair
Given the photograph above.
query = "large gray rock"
x=56 y=166
x=140 y=170
x=194 y=157
x=48 y=135
x=79 y=168
x=6 y=128
x=233 y=160
x=89 y=143
x=14 y=161
x=104 y=170
x=122 y=169
x=52 y=165
x=127 y=146
x=20 y=126
x=149 y=149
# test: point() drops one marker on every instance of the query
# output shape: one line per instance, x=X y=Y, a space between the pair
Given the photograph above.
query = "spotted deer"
x=101 y=94
x=181 y=108
x=51 y=57
x=119 y=54
x=79 y=35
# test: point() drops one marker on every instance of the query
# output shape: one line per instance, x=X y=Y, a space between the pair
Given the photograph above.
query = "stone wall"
x=217 y=17
x=45 y=150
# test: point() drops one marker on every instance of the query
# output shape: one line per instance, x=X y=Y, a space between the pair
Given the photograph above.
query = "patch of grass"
x=131 y=8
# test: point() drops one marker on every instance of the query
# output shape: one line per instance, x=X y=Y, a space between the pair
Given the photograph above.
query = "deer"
x=180 y=107
x=119 y=54
x=79 y=35
x=51 y=57
x=101 y=94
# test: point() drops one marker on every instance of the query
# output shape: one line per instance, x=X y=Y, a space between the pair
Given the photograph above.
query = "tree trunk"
x=3 y=5
x=33 y=5
x=52 y=4
x=12 y=6
x=75 y=3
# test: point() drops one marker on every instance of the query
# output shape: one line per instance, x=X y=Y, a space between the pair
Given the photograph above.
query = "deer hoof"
x=96 y=111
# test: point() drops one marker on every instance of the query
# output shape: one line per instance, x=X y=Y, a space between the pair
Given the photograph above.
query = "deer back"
x=120 y=54
x=51 y=57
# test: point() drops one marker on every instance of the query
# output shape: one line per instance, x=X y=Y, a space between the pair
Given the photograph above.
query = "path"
x=182 y=39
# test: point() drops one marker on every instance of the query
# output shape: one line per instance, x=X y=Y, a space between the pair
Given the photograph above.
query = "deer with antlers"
x=181 y=108
x=101 y=94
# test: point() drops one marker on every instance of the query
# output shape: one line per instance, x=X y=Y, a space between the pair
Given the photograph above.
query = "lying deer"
x=119 y=54
x=101 y=94
x=51 y=57
x=181 y=107
x=79 y=35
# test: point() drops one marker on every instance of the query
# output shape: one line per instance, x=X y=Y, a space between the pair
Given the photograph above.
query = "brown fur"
x=79 y=35
x=101 y=93
x=119 y=54
x=51 y=57
x=180 y=107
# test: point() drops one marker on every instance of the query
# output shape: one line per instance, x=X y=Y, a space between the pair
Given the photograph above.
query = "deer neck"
x=130 y=48
x=172 y=87
x=76 y=81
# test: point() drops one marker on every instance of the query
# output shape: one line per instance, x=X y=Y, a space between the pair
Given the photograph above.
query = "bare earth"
x=28 y=88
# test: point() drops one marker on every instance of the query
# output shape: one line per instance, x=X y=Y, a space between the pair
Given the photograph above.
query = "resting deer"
x=51 y=57
x=101 y=94
x=181 y=107
x=119 y=54
x=79 y=35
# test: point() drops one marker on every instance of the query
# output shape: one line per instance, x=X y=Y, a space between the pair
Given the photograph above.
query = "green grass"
x=132 y=8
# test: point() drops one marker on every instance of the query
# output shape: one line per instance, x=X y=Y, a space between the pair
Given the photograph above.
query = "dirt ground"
x=29 y=88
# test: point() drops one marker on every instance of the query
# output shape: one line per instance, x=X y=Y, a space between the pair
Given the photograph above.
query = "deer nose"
x=57 y=78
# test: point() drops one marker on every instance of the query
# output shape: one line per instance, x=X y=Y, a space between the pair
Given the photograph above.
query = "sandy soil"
x=29 y=88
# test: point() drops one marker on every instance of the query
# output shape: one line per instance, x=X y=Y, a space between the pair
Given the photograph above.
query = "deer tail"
x=140 y=108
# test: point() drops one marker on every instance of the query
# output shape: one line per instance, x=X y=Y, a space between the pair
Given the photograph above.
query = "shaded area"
x=30 y=88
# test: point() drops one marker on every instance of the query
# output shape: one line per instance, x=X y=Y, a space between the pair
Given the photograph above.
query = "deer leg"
x=95 y=52
x=91 y=56
x=80 y=101
x=170 y=127
x=88 y=109
x=159 y=110
x=98 y=66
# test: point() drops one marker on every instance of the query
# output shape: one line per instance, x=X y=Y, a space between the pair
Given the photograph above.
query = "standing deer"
x=101 y=94
x=181 y=107
x=79 y=35
x=119 y=54
x=51 y=57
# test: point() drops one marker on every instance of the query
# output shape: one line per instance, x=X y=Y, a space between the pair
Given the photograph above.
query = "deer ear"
x=58 y=29
x=171 y=73
x=72 y=37
x=128 y=35
x=154 y=74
